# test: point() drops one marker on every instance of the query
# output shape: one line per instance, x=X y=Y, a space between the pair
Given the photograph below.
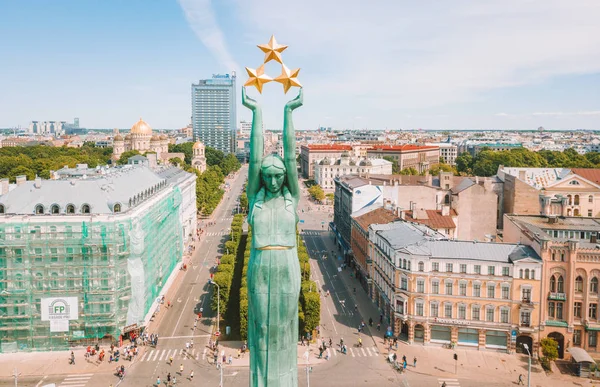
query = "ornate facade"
x=199 y=158
x=140 y=138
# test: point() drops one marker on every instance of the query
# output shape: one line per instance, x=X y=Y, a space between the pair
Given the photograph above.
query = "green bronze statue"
x=273 y=270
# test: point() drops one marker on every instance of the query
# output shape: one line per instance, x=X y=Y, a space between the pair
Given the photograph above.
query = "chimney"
x=445 y=210
x=552 y=219
x=38 y=182
x=476 y=179
x=594 y=238
x=401 y=214
x=429 y=179
x=522 y=175
x=21 y=179
x=4 y=186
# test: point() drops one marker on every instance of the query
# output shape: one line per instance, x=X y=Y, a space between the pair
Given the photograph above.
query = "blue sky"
x=377 y=64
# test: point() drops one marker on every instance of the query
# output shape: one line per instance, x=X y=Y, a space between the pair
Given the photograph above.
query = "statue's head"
x=272 y=173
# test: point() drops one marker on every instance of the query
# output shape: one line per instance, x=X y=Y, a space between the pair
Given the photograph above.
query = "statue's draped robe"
x=273 y=291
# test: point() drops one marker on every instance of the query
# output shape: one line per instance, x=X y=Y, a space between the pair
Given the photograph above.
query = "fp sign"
x=59 y=308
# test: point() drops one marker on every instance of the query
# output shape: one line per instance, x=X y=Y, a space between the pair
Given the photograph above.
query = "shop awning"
x=580 y=355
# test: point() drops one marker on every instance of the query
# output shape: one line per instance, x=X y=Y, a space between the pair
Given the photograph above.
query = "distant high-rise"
x=76 y=122
x=214 y=112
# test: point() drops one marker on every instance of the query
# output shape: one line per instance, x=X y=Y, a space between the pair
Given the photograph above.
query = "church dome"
x=163 y=137
x=366 y=163
x=128 y=137
x=118 y=137
x=141 y=127
x=198 y=145
x=155 y=138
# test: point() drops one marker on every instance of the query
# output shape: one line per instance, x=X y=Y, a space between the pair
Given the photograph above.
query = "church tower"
x=199 y=158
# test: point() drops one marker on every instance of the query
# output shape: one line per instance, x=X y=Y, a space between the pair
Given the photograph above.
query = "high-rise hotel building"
x=214 y=111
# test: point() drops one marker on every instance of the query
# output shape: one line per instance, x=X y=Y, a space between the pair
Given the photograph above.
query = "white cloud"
x=582 y=113
x=389 y=55
x=201 y=18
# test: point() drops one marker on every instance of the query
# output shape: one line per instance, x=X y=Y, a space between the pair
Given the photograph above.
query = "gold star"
x=257 y=78
x=288 y=78
x=272 y=50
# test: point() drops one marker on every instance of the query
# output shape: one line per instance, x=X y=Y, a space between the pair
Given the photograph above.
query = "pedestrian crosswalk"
x=77 y=380
x=352 y=351
x=449 y=382
x=219 y=233
x=311 y=233
x=177 y=354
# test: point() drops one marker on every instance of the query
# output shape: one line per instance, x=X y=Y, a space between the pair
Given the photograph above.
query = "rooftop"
x=401 y=148
x=591 y=174
x=374 y=214
x=432 y=218
x=328 y=147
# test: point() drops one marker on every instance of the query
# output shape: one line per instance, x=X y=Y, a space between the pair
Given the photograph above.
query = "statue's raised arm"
x=289 y=146
x=256 y=146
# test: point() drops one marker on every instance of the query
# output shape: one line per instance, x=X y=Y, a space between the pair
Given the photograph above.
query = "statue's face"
x=273 y=178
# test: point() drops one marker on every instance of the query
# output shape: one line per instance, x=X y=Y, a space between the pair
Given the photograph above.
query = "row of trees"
x=486 y=162
x=316 y=192
x=40 y=159
x=309 y=304
x=224 y=275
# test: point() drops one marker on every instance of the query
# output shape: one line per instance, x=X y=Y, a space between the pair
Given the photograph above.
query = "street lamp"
x=218 y=302
x=529 y=365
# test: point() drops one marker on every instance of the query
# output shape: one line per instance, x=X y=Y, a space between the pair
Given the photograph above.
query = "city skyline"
x=519 y=65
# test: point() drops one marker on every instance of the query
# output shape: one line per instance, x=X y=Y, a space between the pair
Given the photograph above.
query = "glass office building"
x=214 y=112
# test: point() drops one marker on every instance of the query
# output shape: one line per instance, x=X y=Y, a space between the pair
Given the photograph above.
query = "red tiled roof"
x=591 y=174
x=401 y=148
x=435 y=219
x=377 y=216
x=328 y=147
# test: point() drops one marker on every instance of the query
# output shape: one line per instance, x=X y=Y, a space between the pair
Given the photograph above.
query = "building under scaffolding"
x=108 y=243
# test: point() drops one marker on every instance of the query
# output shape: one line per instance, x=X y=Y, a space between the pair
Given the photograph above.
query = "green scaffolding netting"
x=116 y=268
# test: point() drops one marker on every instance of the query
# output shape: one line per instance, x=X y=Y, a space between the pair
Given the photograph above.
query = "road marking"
x=72 y=385
x=180 y=352
x=77 y=378
x=183 y=337
x=369 y=351
x=351 y=351
x=40 y=382
x=363 y=351
x=162 y=355
x=449 y=382
x=156 y=355
x=77 y=375
x=143 y=356
x=204 y=354
x=149 y=358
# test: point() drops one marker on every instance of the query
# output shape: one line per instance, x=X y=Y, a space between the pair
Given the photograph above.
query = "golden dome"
x=163 y=137
x=155 y=138
x=141 y=127
x=198 y=145
x=118 y=137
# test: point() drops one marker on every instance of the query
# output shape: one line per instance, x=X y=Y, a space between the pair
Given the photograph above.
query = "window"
x=562 y=256
x=435 y=287
x=421 y=266
x=593 y=311
x=448 y=310
x=462 y=312
x=449 y=268
x=463 y=268
x=521 y=273
x=579 y=284
x=403 y=283
x=463 y=288
x=525 y=318
x=477 y=269
x=560 y=285
x=419 y=309
x=577 y=337
x=526 y=273
x=449 y=288
x=505 y=271
x=2 y=210
x=476 y=290
x=491 y=291
x=526 y=295
x=69 y=257
x=420 y=286
x=559 y=310
x=489 y=314
x=591 y=199
x=39 y=209
x=577 y=309
x=576 y=200
x=573 y=182
x=505 y=292
x=491 y=270
x=592 y=338
x=590 y=213
x=70 y=209
x=475 y=313
x=54 y=209
x=594 y=285
x=532 y=274
x=504 y=316
x=117 y=208
x=434 y=309
x=85 y=209
x=554 y=255
x=435 y=266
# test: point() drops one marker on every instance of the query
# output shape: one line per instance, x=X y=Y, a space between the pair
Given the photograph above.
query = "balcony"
x=557 y=296
x=526 y=301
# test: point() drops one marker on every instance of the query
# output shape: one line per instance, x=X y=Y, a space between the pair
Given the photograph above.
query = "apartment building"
x=418 y=157
x=570 y=292
x=313 y=153
x=436 y=291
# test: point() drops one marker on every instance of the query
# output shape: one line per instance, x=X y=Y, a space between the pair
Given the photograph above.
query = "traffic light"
x=456 y=357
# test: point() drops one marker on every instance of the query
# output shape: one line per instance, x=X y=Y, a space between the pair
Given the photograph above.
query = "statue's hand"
x=247 y=101
x=296 y=102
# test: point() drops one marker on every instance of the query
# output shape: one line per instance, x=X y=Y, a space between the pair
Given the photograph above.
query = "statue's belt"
x=275 y=248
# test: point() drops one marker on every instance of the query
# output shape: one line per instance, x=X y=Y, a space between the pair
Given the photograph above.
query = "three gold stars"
x=257 y=78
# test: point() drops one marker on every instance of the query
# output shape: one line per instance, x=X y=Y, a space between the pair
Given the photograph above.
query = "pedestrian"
x=520 y=383
x=169 y=377
x=192 y=375
x=381 y=318
x=330 y=343
x=302 y=340
x=192 y=343
x=230 y=360
x=415 y=362
x=72 y=358
x=158 y=382
x=370 y=321
x=378 y=327
x=181 y=369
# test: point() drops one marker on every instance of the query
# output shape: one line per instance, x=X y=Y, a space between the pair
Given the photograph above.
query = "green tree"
x=316 y=192
x=186 y=148
x=230 y=164
x=244 y=202
x=409 y=171
x=549 y=348
x=311 y=309
x=177 y=161
x=125 y=155
x=464 y=163
x=395 y=167
x=213 y=156
x=441 y=167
